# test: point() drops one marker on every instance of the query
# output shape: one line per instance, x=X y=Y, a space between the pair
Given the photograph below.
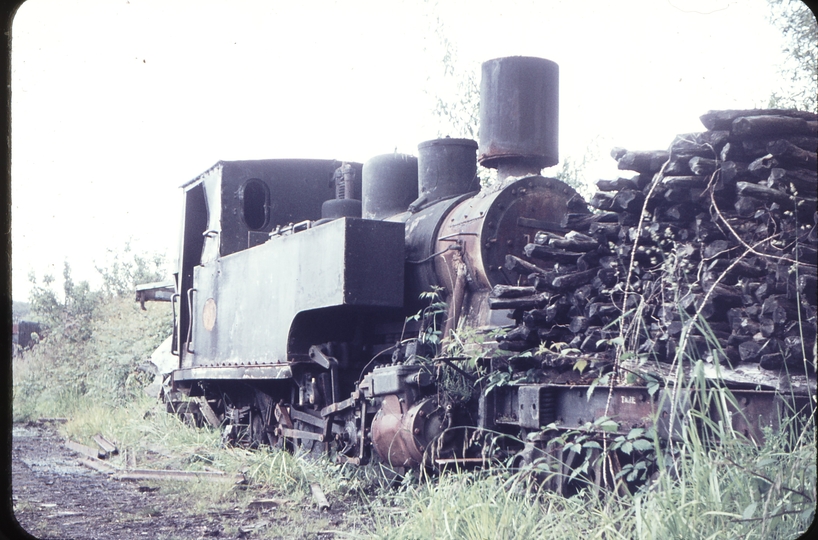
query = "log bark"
x=509 y=291
x=760 y=168
x=575 y=279
x=746 y=206
x=643 y=162
x=606 y=231
x=723 y=120
x=573 y=241
x=678 y=195
x=755 y=302
x=706 y=144
x=804 y=181
x=747 y=189
x=516 y=264
x=581 y=222
x=789 y=154
x=702 y=166
x=602 y=200
x=680 y=213
x=526 y=302
x=733 y=151
x=628 y=200
x=551 y=254
x=616 y=185
x=770 y=125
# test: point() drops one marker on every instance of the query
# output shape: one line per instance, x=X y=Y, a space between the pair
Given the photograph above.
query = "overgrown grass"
x=61 y=376
x=731 y=490
x=713 y=483
x=491 y=504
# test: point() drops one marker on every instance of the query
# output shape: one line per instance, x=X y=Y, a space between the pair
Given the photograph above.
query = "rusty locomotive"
x=315 y=299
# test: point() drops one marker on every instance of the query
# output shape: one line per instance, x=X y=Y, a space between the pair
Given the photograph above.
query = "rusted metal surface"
x=401 y=434
x=489 y=227
x=421 y=232
x=571 y=407
x=754 y=410
x=568 y=407
x=519 y=114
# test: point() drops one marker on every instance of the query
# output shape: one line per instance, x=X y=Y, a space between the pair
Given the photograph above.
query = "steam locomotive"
x=318 y=303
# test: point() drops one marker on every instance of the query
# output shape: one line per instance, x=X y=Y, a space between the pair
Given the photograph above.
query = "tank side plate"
x=233 y=372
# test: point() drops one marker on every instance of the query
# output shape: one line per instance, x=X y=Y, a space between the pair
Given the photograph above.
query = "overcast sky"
x=115 y=103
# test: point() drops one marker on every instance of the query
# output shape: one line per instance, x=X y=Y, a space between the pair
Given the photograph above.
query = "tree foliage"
x=800 y=73
x=69 y=317
x=95 y=344
x=455 y=88
x=124 y=271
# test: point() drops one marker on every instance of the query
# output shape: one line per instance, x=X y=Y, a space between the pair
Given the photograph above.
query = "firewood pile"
x=711 y=244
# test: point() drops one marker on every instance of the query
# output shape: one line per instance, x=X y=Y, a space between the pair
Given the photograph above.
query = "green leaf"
x=627 y=447
x=609 y=425
x=591 y=387
x=749 y=511
x=580 y=364
x=635 y=433
x=592 y=444
x=625 y=470
x=642 y=445
x=572 y=447
x=579 y=470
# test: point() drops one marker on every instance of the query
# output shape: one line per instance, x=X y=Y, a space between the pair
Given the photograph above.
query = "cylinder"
x=390 y=184
x=519 y=113
x=446 y=168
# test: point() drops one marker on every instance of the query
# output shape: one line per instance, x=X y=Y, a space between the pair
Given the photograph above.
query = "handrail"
x=190 y=317
x=173 y=298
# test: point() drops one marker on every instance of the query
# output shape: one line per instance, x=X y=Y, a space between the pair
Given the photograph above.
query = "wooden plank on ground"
x=154 y=474
x=86 y=450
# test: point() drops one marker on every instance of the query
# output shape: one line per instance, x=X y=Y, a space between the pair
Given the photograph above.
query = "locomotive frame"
x=311 y=296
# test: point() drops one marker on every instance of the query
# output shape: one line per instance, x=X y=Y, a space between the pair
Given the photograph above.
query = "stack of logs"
x=722 y=224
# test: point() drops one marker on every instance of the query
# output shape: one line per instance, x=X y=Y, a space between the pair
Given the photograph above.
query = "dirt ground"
x=55 y=496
